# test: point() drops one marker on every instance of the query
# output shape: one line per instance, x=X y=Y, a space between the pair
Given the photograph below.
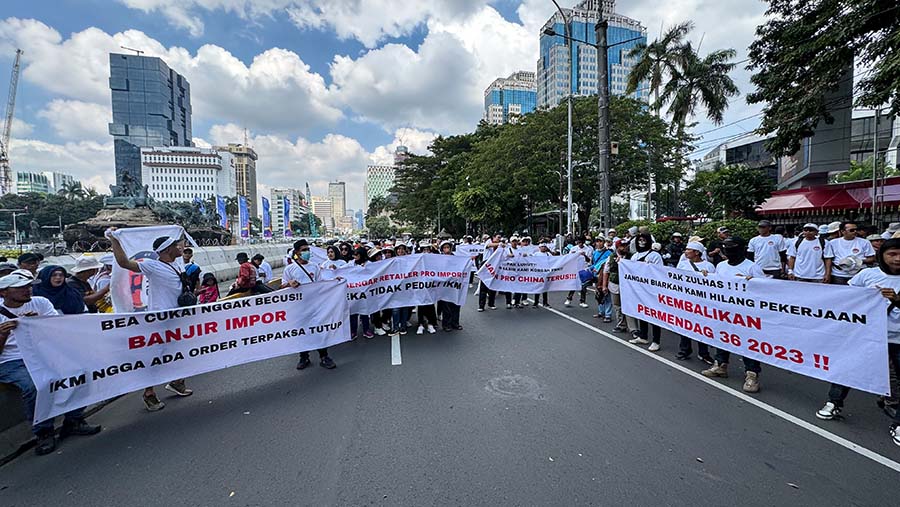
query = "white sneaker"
x=568 y=302
x=420 y=330
x=895 y=434
x=380 y=332
x=653 y=347
x=470 y=285
x=638 y=341
x=431 y=329
x=828 y=412
x=583 y=305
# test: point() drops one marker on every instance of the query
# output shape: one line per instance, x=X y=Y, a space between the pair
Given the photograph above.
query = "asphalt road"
x=522 y=407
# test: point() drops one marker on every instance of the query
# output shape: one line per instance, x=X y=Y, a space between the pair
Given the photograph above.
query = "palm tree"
x=72 y=191
x=699 y=82
x=657 y=60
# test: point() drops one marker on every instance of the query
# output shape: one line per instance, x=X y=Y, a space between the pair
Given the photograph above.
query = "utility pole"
x=568 y=39
x=603 y=122
x=875 y=169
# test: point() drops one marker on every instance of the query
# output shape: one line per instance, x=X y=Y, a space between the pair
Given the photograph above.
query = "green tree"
x=863 y=171
x=731 y=191
x=380 y=227
x=73 y=191
x=377 y=205
x=803 y=53
x=657 y=60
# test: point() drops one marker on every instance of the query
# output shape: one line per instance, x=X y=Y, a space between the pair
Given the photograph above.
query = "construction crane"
x=313 y=230
x=5 y=171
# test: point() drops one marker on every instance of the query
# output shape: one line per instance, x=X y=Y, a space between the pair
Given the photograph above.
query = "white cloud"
x=271 y=93
x=416 y=141
x=88 y=161
x=440 y=85
x=20 y=129
x=77 y=120
x=175 y=12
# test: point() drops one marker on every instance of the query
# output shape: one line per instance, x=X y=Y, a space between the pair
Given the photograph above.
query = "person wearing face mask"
x=693 y=261
x=885 y=277
x=736 y=265
x=301 y=272
x=645 y=253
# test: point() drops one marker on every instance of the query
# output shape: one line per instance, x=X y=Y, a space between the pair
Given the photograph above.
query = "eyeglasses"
x=850 y=230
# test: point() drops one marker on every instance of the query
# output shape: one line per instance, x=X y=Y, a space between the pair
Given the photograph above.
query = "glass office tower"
x=151 y=106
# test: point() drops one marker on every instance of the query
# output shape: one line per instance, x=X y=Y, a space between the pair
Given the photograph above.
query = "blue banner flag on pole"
x=244 y=216
x=287 y=218
x=222 y=212
x=266 y=218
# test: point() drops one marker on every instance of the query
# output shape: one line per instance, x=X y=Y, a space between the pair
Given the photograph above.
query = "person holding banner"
x=736 y=264
x=885 y=277
x=486 y=295
x=449 y=311
x=334 y=259
x=166 y=282
x=544 y=251
x=609 y=283
x=298 y=273
x=16 y=291
x=693 y=261
x=645 y=253
x=360 y=257
x=585 y=251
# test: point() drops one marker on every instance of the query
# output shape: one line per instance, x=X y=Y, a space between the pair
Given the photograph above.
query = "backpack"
x=800 y=241
x=187 y=296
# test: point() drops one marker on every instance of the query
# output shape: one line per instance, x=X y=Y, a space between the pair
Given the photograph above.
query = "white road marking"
x=862 y=451
x=395 y=351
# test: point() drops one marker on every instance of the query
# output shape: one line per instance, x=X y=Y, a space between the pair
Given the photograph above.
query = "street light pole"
x=603 y=122
x=568 y=39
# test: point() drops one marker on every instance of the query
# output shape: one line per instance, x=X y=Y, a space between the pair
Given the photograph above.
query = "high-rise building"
x=298 y=208
x=151 y=106
x=506 y=99
x=337 y=191
x=179 y=174
x=380 y=178
x=244 y=173
x=28 y=182
x=58 y=181
x=323 y=208
x=359 y=219
x=553 y=64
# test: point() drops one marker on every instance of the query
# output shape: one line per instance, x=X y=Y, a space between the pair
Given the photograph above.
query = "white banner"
x=126 y=289
x=833 y=333
x=470 y=251
x=532 y=274
x=408 y=280
x=317 y=255
x=76 y=360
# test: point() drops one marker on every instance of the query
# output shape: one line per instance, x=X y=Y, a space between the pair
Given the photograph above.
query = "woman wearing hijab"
x=360 y=257
x=346 y=251
x=335 y=259
x=53 y=286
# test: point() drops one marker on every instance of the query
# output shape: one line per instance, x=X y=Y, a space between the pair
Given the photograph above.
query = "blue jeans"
x=14 y=372
x=354 y=319
x=400 y=318
x=604 y=309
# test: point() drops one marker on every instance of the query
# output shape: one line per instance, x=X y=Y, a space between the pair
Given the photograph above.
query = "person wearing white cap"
x=892 y=228
x=86 y=267
x=674 y=250
x=845 y=256
x=806 y=262
x=693 y=261
x=767 y=250
x=18 y=301
x=449 y=311
x=543 y=251
x=164 y=275
x=585 y=251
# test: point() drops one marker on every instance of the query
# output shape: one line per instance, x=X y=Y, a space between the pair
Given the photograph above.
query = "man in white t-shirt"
x=736 y=265
x=846 y=255
x=767 y=250
x=264 y=269
x=15 y=289
x=806 y=261
x=301 y=272
x=693 y=261
x=584 y=251
x=164 y=285
x=886 y=277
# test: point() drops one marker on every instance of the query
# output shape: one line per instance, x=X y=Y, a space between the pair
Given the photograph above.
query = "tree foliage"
x=491 y=179
x=863 y=171
x=730 y=191
x=48 y=211
x=380 y=227
x=803 y=53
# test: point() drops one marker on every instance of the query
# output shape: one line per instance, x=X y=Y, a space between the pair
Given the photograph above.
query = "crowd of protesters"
x=839 y=253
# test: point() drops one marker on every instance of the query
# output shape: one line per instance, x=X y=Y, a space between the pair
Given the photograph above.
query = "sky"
x=323 y=88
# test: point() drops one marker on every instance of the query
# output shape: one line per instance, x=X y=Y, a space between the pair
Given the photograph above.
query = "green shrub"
x=662 y=231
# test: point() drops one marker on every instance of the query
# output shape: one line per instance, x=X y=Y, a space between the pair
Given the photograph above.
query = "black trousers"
x=427 y=315
x=536 y=299
x=485 y=294
x=323 y=353
x=449 y=314
x=655 y=330
x=583 y=294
